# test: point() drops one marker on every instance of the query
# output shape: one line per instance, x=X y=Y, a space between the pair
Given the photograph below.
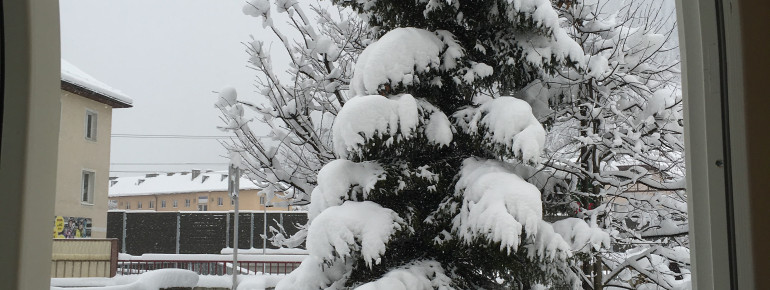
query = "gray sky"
x=168 y=56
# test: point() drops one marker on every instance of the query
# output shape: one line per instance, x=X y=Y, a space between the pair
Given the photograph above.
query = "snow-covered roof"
x=167 y=183
x=74 y=76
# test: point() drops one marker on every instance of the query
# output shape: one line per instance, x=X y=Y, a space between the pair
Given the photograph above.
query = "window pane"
x=84 y=194
x=90 y=128
x=89 y=118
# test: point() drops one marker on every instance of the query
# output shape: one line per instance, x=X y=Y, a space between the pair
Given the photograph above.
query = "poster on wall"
x=71 y=227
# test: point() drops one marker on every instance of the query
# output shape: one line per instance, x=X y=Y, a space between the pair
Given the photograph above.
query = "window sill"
x=86 y=203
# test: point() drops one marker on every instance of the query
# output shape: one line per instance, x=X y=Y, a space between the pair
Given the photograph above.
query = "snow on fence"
x=217 y=265
x=193 y=232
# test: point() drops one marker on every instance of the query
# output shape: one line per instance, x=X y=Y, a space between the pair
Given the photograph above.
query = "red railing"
x=129 y=267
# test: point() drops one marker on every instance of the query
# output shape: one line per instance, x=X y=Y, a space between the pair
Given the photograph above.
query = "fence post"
x=227 y=230
x=123 y=236
x=178 y=227
x=251 y=239
x=113 y=257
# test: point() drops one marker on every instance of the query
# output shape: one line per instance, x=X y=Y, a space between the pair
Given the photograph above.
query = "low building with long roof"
x=195 y=190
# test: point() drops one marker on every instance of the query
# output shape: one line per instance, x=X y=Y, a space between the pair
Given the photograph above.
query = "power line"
x=170 y=163
x=142 y=171
x=165 y=136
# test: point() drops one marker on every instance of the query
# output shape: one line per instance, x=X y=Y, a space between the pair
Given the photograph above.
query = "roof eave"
x=89 y=94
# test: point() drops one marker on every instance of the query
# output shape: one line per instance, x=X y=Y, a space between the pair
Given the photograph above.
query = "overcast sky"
x=168 y=56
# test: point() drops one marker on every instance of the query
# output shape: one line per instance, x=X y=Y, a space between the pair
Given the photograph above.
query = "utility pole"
x=264 y=234
x=233 y=185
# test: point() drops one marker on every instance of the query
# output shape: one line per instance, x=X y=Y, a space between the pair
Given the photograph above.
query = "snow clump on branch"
x=496 y=205
x=507 y=125
x=393 y=119
x=336 y=180
x=400 y=55
x=417 y=275
x=363 y=226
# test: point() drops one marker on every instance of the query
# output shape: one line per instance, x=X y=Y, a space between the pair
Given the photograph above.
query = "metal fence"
x=194 y=232
x=205 y=267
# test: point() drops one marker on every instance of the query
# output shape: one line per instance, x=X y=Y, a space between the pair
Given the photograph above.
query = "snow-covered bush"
x=322 y=44
x=615 y=152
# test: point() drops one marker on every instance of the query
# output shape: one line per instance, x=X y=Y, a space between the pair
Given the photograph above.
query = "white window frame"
x=175 y=203
x=262 y=200
x=713 y=155
x=151 y=204
x=163 y=203
x=220 y=201
x=90 y=132
x=138 y=205
x=87 y=185
x=187 y=202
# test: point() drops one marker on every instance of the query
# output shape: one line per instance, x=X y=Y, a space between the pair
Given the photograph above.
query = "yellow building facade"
x=83 y=162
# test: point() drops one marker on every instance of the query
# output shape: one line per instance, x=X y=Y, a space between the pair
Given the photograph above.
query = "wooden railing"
x=84 y=258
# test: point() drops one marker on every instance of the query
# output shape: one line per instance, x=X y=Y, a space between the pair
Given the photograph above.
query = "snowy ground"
x=166 y=278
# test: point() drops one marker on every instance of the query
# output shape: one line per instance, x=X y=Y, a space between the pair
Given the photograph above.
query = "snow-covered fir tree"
x=426 y=193
x=430 y=119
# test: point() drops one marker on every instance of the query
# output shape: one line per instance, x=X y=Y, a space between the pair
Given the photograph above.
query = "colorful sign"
x=71 y=227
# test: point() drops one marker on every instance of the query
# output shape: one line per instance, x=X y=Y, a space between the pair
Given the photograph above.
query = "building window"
x=152 y=204
x=186 y=203
x=203 y=207
x=175 y=203
x=91 y=125
x=262 y=200
x=87 y=188
x=232 y=201
x=220 y=201
x=203 y=199
x=128 y=205
x=139 y=205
